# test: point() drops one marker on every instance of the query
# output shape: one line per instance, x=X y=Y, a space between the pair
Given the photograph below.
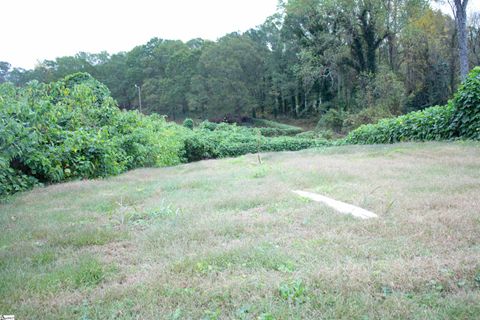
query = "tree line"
x=345 y=62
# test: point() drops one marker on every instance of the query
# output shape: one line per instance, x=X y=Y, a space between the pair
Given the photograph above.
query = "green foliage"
x=208 y=125
x=263 y=123
x=331 y=120
x=309 y=55
x=266 y=316
x=294 y=291
x=275 y=132
x=466 y=117
x=188 y=123
x=460 y=118
x=317 y=134
x=429 y=124
x=73 y=129
x=231 y=140
x=89 y=273
x=270 y=128
x=382 y=90
x=368 y=115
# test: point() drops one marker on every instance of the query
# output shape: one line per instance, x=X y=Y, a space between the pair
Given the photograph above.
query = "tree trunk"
x=461 y=20
x=453 y=64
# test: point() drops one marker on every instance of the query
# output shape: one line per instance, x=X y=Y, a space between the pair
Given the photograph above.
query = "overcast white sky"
x=34 y=30
x=45 y=29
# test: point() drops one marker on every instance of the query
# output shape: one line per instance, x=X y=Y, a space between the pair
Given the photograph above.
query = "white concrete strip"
x=339 y=206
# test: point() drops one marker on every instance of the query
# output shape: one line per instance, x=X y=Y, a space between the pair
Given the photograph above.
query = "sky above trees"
x=37 y=30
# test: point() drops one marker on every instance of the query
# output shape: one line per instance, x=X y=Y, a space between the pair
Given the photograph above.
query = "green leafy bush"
x=429 y=124
x=317 y=134
x=275 y=132
x=460 y=118
x=466 y=117
x=381 y=92
x=369 y=115
x=231 y=140
x=73 y=129
x=331 y=120
x=188 y=123
x=263 y=123
x=208 y=125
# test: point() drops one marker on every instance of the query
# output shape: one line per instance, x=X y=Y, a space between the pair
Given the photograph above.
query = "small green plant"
x=131 y=215
x=260 y=172
x=88 y=273
x=176 y=315
x=287 y=267
x=476 y=279
x=266 y=316
x=85 y=310
x=293 y=291
x=43 y=258
x=386 y=291
x=212 y=315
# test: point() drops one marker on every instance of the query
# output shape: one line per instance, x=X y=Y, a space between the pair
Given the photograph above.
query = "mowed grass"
x=227 y=239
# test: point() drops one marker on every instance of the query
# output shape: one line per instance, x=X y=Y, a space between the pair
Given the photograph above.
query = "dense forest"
x=343 y=62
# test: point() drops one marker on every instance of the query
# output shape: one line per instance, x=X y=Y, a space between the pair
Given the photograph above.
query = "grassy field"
x=227 y=239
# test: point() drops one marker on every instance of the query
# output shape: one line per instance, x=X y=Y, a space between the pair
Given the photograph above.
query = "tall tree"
x=474 y=38
x=4 y=69
x=459 y=8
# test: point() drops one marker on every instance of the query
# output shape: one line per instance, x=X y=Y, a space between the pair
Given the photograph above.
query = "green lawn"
x=227 y=239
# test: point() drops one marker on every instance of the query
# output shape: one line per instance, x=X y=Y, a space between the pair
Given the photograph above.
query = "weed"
x=176 y=315
x=476 y=279
x=88 y=273
x=266 y=316
x=43 y=258
x=293 y=291
x=131 y=215
x=260 y=172
x=212 y=315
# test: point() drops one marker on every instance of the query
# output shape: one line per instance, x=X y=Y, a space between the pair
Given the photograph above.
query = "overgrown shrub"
x=188 y=123
x=317 y=134
x=381 y=91
x=263 y=123
x=231 y=140
x=460 y=118
x=331 y=120
x=208 y=125
x=366 y=116
x=275 y=132
x=429 y=124
x=466 y=117
x=73 y=129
